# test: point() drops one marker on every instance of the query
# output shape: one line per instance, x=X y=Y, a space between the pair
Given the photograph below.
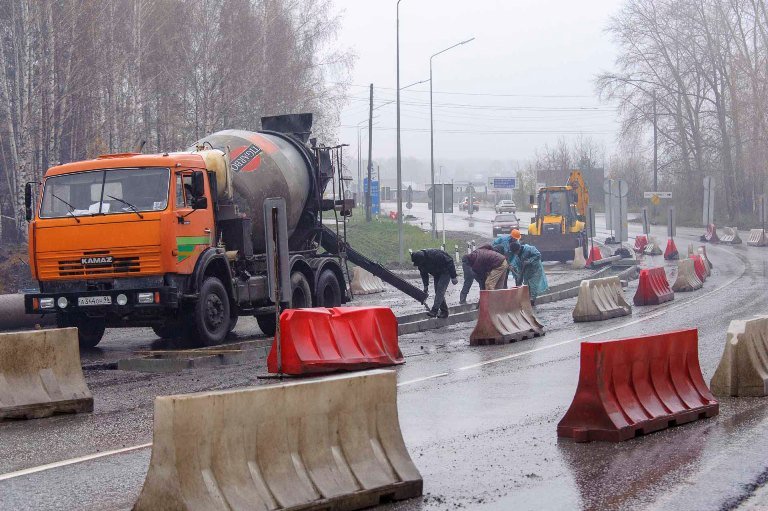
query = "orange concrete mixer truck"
x=176 y=241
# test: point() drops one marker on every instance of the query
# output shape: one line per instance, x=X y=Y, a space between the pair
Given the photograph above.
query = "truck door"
x=194 y=227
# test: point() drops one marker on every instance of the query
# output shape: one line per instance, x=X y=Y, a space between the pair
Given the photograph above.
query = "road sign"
x=375 y=202
x=503 y=183
x=442 y=190
x=660 y=195
x=616 y=191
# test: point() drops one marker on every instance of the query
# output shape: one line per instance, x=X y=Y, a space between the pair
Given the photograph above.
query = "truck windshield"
x=102 y=192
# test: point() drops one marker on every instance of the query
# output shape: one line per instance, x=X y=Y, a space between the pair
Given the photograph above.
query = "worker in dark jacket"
x=469 y=279
x=489 y=266
x=439 y=264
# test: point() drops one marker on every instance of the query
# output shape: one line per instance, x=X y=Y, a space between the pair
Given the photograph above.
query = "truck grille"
x=124 y=262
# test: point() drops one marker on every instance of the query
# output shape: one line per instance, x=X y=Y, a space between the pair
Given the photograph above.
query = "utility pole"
x=655 y=154
x=399 y=183
x=370 y=155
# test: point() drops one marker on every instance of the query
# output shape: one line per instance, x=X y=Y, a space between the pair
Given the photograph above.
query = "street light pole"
x=442 y=201
x=432 y=131
x=399 y=184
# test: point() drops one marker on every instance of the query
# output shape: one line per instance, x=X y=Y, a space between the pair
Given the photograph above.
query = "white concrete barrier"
x=703 y=253
x=578 y=259
x=757 y=238
x=600 y=299
x=40 y=374
x=331 y=443
x=505 y=315
x=743 y=368
x=364 y=283
x=730 y=236
x=686 y=280
x=653 y=248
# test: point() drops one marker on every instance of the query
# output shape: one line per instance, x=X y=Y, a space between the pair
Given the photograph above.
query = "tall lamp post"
x=432 y=130
x=399 y=184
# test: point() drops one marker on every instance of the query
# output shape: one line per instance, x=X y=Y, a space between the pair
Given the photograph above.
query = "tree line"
x=79 y=78
x=698 y=69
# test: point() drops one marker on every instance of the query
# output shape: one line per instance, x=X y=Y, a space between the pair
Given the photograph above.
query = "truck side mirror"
x=198 y=184
x=28 y=201
x=200 y=202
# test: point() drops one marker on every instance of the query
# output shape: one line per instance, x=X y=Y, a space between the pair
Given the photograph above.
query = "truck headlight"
x=146 y=297
x=62 y=302
x=46 y=303
x=122 y=299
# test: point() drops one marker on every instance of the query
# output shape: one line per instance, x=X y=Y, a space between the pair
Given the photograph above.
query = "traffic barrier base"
x=323 y=340
x=631 y=387
x=671 y=254
x=686 y=277
x=653 y=249
x=328 y=444
x=641 y=241
x=40 y=374
x=594 y=255
x=600 y=299
x=653 y=288
x=743 y=368
x=505 y=315
x=700 y=267
x=757 y=238
x=365 y=283
x=578 y=259
x=730 y=236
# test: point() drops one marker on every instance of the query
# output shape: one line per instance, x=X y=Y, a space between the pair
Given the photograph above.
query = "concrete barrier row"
x=364 y=282
x=600 y=299
x=40 y=374
x=757 y=238
x=505 y=315
x=333 y=443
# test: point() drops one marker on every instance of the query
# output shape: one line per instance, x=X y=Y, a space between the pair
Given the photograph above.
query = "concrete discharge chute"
x=743 y=368
x=323 y=444
x=40 y=375
x=600 y=299
x=631 y=387
x=505 y=315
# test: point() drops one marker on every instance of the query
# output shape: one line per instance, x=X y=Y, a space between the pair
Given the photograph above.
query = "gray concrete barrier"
x=40 y=374
x=600 y=299
x=578 y=259
x=686 y=280
x=757 y=238
x=505 y=315
x=331 y=443
x=13 y=317
x=743 y=368
x=364 y=283
x=730 y=236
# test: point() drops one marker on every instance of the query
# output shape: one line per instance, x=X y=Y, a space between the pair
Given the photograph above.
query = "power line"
x=488 y=94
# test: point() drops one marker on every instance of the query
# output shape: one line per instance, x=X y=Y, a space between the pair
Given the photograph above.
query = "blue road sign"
x=375 y=202
x=509 y=183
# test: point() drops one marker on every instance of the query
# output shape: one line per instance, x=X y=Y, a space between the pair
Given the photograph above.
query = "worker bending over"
x=489 y=266
x=524 y=263
x=439 y=264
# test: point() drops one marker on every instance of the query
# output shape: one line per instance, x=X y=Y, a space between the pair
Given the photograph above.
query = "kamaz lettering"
x=87 y=261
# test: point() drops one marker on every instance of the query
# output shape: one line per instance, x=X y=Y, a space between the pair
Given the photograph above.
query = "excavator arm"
x=576 y=182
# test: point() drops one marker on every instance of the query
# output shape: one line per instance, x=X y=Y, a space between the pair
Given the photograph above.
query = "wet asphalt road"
x=479 y=421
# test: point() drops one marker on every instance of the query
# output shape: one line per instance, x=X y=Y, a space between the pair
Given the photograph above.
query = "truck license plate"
x=94 y=300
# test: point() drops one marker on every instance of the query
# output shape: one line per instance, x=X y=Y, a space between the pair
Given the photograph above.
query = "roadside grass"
x=377 y=240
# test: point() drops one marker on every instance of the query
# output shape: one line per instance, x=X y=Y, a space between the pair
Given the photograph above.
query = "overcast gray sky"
x=525 y=80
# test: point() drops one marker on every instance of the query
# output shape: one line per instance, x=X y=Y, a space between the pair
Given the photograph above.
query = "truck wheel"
x=267 y=323
x=328 y=293
x=90 y=331
x=210 y=316
x=301 y=292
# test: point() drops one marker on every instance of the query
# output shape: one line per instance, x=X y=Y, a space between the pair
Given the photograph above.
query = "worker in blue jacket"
x=524 y=263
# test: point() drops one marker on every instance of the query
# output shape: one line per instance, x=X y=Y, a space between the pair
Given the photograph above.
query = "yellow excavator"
x=559 y=224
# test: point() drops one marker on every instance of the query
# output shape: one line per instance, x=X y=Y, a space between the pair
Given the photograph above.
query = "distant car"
x=463 y=205
x=506 y=206
x=504 y=223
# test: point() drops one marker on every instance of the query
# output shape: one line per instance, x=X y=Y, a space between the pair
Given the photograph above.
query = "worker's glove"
x=454 y=281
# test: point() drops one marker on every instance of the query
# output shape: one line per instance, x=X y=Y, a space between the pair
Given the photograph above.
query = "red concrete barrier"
x=323 y=340
x=505 y=315
x=711 y=234
x=699 y=267
x=671 y=254
x=640 y=243
x=630 y=387
x=594 y=255
x=653 y=287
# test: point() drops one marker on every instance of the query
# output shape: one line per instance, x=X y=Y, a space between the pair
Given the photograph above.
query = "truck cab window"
x=183 y=191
